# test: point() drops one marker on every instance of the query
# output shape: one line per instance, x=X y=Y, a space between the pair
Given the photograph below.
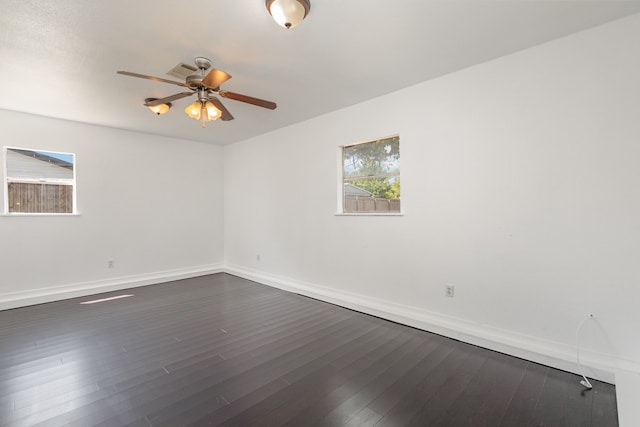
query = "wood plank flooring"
x=220 y=350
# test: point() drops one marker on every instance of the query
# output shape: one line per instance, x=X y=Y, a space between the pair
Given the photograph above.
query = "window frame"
x=51 y=181
x=341 y=181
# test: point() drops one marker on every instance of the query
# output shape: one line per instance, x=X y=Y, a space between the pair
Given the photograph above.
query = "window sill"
x=369 y=214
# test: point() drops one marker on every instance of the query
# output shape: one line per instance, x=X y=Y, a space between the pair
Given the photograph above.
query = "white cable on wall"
x=585 y=382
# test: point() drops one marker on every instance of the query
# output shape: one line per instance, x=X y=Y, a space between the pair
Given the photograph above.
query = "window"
x=371 y=176
x=39 y=181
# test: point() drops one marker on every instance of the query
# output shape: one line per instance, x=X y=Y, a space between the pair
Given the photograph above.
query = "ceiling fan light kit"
x=204 y=111
x=159 y=108
x=207 y=107
x=288 y=13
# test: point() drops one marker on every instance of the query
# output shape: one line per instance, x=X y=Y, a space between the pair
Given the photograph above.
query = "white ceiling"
x=59 y=58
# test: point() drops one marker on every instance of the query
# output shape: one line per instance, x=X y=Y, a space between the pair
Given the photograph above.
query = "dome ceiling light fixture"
x=288 y=13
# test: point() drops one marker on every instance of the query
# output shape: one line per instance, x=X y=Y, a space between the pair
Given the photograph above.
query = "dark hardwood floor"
x=220 y=350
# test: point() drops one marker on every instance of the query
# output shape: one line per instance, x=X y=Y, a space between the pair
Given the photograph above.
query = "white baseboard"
x=535 y=349
x=43 y=295
x=549 y=353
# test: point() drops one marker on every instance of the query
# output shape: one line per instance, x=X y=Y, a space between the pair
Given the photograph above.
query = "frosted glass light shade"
x=194 y=110
x=212 y=111
x=160 y=109
x=288 y=13
x=203 y=111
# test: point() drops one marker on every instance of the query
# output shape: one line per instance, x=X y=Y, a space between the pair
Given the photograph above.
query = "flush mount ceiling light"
x=288 y=13
x=158 y=109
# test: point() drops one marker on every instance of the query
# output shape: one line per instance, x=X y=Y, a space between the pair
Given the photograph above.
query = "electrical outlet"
x=110 y=264
x=449 y=291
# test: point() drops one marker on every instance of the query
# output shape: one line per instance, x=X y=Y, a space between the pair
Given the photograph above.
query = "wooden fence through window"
x=354 y=204
x=40 y=198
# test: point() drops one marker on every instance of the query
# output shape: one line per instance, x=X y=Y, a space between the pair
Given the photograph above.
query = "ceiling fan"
x=207 y=107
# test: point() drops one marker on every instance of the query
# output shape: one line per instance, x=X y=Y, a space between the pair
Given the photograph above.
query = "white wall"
x=151 y=204
x=520 y=186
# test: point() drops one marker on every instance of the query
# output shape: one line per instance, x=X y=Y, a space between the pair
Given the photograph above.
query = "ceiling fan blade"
x=248 y=99
x=226 y=115
x=156 y=79
x=167 y=99
x=215 y=78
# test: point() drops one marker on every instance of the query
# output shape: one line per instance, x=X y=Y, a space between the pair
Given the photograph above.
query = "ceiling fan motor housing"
x=194 y=80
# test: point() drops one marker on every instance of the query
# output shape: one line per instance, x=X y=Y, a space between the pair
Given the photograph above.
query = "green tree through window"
x=371 y=176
